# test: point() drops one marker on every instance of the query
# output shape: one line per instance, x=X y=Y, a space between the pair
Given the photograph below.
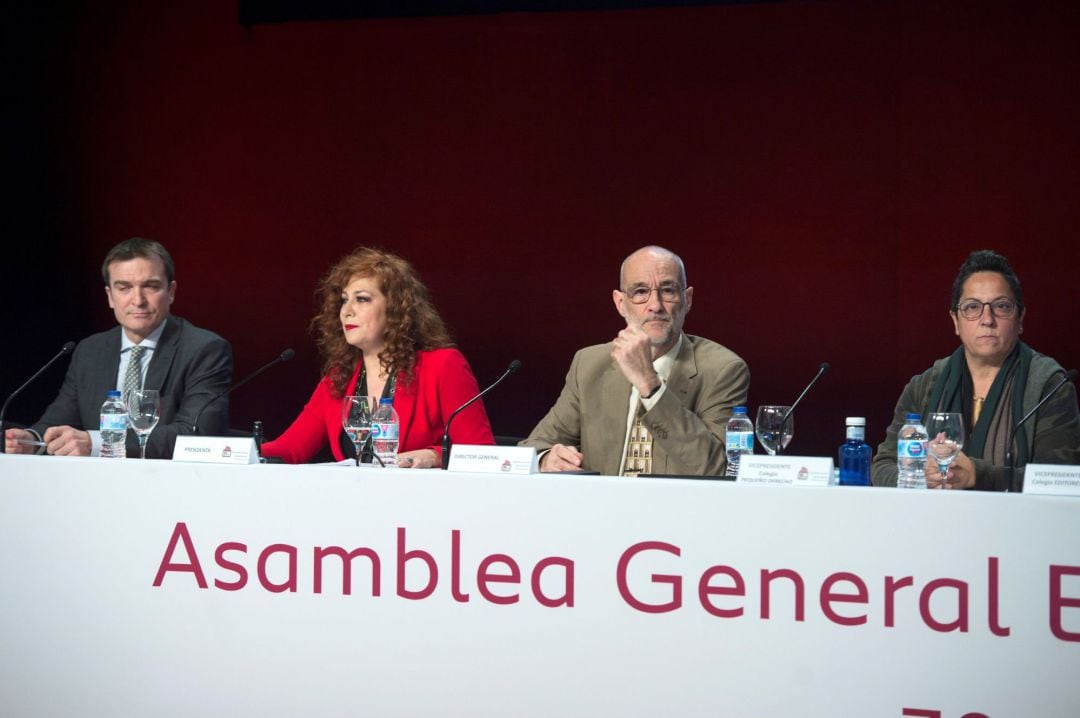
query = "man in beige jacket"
x=679 y=387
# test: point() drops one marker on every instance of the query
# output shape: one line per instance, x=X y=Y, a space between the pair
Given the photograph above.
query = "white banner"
x=171 y=589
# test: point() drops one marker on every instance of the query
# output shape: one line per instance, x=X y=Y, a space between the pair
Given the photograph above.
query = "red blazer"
x=442 y=381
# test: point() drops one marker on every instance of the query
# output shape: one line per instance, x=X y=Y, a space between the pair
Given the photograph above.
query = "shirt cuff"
x=95 y=442
x=655 y=398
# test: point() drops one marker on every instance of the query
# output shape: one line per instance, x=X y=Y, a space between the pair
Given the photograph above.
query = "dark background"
x=822 y=167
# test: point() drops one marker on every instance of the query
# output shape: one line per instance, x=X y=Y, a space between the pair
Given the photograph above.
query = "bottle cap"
x=739 y=410
x=913 y=417
x=385 y=400
x=855 y=421
x=113 y=393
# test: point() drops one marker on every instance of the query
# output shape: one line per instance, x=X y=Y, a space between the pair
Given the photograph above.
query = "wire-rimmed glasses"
x=669 y=293
x=972 y=309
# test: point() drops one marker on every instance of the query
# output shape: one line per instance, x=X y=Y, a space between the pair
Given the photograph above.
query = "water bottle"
x=384 y=432
x=911 y=454
x=114 y=426
x=855 y=454
x=739 y=439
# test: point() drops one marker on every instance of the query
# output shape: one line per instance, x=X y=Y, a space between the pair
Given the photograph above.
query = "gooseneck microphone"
x=280 y=359
x=821 y=370
x=1009 y=456
x=66 y=349
x=446 y=443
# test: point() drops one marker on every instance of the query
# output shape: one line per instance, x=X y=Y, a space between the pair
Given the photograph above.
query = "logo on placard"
x=803 y=474
x=505 y=465
x=226 y=452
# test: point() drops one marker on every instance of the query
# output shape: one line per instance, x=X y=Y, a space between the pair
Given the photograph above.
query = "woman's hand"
x=419 y=459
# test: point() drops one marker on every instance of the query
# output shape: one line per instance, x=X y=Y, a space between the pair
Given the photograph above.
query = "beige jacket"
x=688 y=423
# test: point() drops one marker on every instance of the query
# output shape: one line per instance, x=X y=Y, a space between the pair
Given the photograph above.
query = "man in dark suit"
x=653 y=400
x=151 y=349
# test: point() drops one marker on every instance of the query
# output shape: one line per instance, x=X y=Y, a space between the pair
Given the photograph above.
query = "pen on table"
x=28 y=442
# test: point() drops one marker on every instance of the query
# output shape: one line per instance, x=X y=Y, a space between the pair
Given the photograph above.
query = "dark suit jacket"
x=688 y=423
x=189 y=366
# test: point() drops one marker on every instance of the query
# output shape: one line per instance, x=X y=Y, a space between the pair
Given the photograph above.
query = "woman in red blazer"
x=380 y=336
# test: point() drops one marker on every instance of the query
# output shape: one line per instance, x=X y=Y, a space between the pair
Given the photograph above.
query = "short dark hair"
x=135 y=248
x=986 y=260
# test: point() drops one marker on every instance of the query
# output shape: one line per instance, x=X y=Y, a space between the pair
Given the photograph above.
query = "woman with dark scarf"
x=994 y=380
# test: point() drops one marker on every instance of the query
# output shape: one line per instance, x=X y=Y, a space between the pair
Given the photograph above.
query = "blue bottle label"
x=114 y=422
x=386 y=432
x=911 y=449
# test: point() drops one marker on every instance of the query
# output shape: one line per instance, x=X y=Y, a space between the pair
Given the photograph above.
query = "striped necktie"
x=133 y=375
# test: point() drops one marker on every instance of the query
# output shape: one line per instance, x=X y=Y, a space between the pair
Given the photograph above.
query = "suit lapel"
x=683 y=370
x=164 y=353
x=105 y=370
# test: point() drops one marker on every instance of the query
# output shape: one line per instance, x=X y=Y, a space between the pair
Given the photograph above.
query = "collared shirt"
x=149 y=345
x=662 y=365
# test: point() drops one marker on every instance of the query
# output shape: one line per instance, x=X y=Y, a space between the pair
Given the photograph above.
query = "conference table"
x=177 y=589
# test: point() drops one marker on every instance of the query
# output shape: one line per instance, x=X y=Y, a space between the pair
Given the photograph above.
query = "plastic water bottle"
x=739 y=439
x=114 y=426
x=384 y=432
x=911 y=454
x=855 y=454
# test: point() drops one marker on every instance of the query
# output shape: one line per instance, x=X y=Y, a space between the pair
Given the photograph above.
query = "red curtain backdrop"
x=822 y=167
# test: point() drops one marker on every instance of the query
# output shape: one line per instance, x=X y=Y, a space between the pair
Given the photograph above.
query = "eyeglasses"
x=668 y=293
x=972 y=309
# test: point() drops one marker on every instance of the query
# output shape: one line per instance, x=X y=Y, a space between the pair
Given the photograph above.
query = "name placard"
x=493 y=459
x=216 y=449
x=1057 y=479
x=786 y=470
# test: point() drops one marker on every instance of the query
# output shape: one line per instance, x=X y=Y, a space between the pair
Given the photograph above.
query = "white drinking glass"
x=144 y=411
x=775 y=426
x=945 y=439
x=356 y=420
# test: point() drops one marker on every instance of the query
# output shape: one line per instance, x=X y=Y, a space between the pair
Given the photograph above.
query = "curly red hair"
x=412 y=324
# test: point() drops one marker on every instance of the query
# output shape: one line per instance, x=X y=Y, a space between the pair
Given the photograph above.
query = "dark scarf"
x=1003 y=407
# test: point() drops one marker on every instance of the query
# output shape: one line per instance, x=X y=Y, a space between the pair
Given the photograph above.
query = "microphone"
x=280 y=359
x=1069 y=376
x=446 y=443
x=821 y=370
x=66 y=349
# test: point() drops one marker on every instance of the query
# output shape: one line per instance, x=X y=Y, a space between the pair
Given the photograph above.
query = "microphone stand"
x=3 y=410
x=821 y=370
x=1010 y=467
x=446 y=443
x=280 y=359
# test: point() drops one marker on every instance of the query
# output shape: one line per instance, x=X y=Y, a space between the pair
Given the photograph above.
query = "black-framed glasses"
x=972 y=309
x=668 y=293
